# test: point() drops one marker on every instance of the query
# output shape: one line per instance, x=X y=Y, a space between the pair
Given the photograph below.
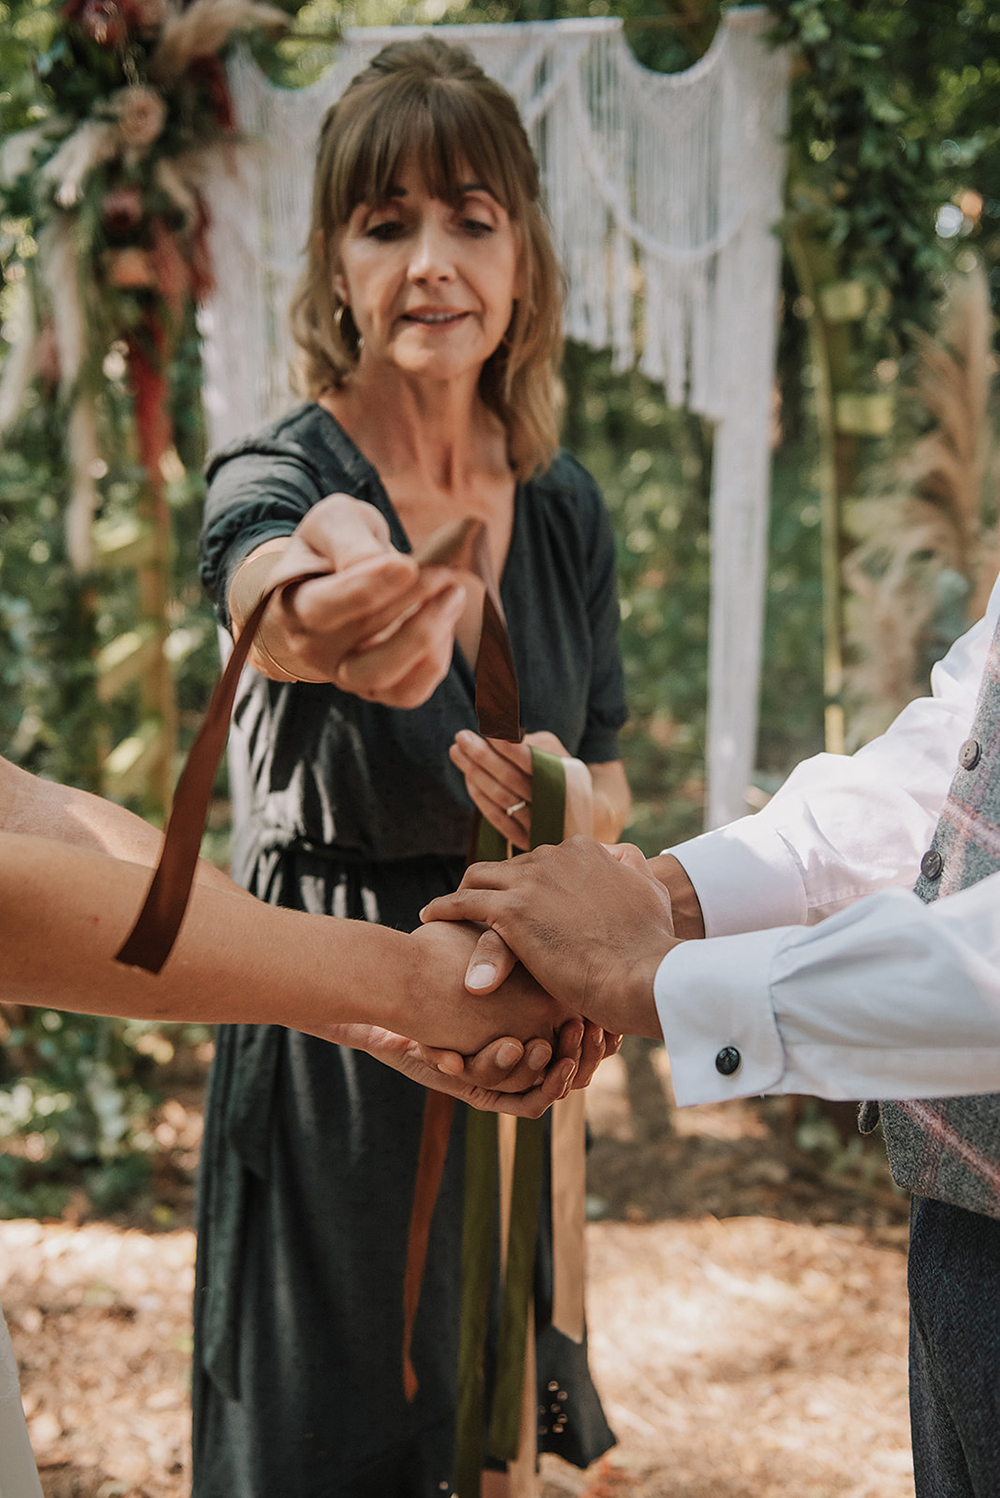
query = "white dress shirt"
x=820 y=985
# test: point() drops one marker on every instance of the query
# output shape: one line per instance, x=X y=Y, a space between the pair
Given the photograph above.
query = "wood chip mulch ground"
x=747 y=1316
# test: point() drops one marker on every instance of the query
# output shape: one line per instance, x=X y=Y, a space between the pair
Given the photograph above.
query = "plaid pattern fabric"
x=949 y=1149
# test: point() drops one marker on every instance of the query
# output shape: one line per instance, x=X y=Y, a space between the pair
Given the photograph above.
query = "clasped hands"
x=591 y=925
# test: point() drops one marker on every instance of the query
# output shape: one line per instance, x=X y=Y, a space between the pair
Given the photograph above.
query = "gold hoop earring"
x=347 y=329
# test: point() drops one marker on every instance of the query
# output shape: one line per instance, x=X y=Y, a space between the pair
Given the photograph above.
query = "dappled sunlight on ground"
x=747 y=1315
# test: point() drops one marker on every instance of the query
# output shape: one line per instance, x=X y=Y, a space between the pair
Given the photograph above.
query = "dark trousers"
x=954 y=1280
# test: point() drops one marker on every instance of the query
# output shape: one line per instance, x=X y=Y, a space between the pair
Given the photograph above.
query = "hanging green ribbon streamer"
x=479 y=1232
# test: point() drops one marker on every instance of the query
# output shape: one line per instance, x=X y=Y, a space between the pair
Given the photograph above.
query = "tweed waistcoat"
x=949 y=1148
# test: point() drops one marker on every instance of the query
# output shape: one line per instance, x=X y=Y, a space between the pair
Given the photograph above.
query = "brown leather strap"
x=151 y=939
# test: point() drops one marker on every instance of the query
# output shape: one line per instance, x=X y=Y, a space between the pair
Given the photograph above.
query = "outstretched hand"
x=590 y=923
x=375 y=622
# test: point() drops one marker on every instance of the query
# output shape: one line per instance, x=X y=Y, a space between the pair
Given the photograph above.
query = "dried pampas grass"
x=59 y=267
x=202 y=29
x=20 y=365
x=84 y=456
x=927 y=556
x=94 y=142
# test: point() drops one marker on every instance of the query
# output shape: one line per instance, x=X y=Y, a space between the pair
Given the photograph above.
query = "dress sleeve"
x=256 y=490
x=606 y=708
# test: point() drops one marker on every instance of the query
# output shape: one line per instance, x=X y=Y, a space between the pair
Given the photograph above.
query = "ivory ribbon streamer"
x=569 y=1197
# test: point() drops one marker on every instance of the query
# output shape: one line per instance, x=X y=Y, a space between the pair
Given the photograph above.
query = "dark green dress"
x=310 y=1150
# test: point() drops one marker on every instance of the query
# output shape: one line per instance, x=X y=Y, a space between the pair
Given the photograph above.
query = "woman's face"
x=431 y=288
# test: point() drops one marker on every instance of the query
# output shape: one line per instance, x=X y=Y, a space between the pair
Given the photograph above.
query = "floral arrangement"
x=132 y=99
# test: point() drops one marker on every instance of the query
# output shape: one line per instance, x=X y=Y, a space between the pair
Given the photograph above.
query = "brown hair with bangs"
x=430 y=102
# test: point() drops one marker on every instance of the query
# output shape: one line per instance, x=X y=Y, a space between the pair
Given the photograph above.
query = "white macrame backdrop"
x=662 y=189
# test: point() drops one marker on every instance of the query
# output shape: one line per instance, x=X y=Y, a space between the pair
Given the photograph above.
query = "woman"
x=428 y=320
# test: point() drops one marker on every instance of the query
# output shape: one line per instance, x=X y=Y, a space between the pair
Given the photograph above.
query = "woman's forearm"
x=64 y=912
x=43 y=808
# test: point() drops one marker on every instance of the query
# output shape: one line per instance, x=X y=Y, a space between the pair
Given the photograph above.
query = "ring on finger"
x=518 y=806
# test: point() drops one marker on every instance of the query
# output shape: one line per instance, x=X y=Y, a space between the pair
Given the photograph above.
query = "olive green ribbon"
x=479 y=1231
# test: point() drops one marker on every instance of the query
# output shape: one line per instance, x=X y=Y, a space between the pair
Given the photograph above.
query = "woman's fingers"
x=505 y=1065
x=403 y=669
x=593 y=1049
x=374 y=622
x=499 y=783
x=345 y=530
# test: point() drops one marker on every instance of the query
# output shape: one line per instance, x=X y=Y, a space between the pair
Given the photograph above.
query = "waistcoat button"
x=968 y=755
x=728 y=1060
x=931 y=864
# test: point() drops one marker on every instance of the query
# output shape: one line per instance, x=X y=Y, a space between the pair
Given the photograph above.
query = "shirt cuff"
x=745 y=877
x=713 y=1000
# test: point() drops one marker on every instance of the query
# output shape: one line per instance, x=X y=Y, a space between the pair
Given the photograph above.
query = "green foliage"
x=895 y=110
x=75 y=1108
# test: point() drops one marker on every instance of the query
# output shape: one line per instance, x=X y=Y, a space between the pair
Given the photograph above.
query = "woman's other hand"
x=374 y=623
x=498 y=779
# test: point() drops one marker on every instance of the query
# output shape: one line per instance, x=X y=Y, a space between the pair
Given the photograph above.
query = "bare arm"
x=42 y=808
x=65 y=910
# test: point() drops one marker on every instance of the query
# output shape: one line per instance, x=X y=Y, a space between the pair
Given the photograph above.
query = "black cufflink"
x=728 y=1060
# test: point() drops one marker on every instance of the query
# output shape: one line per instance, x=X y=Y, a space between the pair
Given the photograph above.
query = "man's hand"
x=590 y=924
x=375 y=624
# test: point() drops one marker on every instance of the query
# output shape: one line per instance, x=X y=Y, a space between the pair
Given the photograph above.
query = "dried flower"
x=204 y=27
x=145 y=15
x=141 y=114
x=91 y=144
x=104 y=21
x=130 y=268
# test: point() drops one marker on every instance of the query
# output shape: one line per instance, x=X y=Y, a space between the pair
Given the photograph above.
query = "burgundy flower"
x=121 y=209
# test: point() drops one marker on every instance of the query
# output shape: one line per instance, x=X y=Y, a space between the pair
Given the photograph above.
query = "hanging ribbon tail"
x=500 y=1426
x=439 y=1110
x=152 y=937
